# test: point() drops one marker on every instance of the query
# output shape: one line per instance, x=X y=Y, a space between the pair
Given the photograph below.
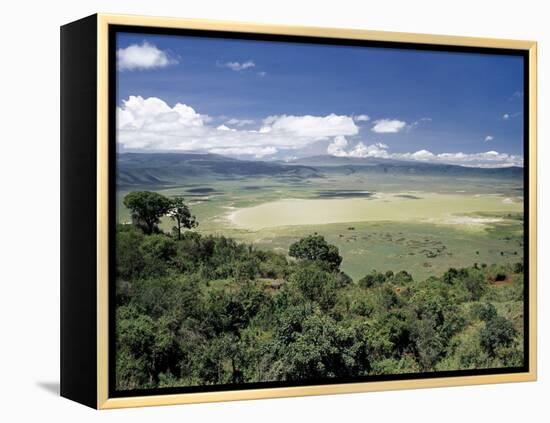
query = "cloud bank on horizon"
x=150 y=124
x=380 y=150
x=248 y=116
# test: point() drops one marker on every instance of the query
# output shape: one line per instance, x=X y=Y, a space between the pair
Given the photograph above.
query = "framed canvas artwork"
x=256 y=211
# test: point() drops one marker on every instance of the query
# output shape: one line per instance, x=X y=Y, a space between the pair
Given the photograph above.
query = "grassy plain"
x=423 y=224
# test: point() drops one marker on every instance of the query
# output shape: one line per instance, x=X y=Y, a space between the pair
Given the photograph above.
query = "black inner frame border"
x=113 y=30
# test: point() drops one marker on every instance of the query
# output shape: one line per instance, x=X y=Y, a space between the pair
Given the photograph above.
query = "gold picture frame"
x=102 y=23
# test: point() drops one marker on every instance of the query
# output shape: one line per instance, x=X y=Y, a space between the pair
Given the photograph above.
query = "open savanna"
x=424 y=223
x=311 y=271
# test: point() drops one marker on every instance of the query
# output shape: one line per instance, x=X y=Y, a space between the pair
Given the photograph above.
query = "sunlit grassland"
x=437 y=208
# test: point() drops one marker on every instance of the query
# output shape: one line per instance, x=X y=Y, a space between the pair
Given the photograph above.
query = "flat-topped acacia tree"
x=179 y=212
x=147 y=208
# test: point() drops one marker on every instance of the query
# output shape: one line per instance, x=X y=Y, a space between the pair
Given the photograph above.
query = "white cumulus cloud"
x=153 y=114
x=362 y=118
x=316 y=127
x=379 y=150
x=142 y=56
x=152 y=124
x=422 y=155
x=388 y=125
x=337 y=146
x=240 y=122
x=489 y=138
x=224 y=128
x=507 y=116
x=238 y=66
x=418 y=122
x=483 y=159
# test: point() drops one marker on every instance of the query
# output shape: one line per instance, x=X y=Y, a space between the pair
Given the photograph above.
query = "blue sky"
x=276 y=100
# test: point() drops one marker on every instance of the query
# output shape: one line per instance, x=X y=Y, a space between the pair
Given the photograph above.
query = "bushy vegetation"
x=203 y=310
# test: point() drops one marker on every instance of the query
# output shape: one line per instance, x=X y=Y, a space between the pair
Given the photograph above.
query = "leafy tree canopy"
x=315 y=248
x=147 y=208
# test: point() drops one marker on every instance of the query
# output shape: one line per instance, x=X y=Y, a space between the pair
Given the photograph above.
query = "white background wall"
x=29 y=209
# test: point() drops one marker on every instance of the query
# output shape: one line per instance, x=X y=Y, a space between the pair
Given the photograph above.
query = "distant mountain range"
x=173 y=168
x=153 y=169
x=393 y=166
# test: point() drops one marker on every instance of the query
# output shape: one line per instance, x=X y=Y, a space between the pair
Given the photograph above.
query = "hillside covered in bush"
x=206 y=310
